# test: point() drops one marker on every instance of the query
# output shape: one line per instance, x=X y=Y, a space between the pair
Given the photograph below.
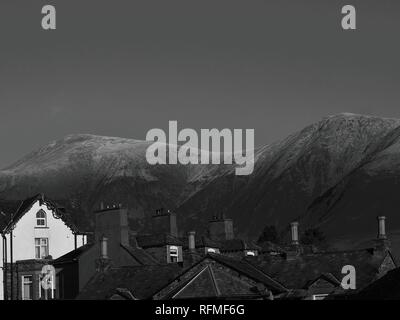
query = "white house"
x=33 y=231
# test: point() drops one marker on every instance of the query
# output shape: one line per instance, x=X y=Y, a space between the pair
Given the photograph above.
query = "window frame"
x=40 y=246
x=30 y=283
x=173 y=254
x=44 y=219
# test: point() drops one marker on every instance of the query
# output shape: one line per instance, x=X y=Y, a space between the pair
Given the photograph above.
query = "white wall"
x=60 y=238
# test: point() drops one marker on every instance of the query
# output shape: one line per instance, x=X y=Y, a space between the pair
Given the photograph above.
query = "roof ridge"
x=217 y=257
x=340 y=251
x=264 y=273
x=130 y=250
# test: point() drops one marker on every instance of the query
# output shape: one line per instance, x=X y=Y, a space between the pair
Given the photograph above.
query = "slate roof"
x=212 y=282
x=141 y=256
x=72 y=255
x=224 y=245
x=325 y=276
x=201 y=242
x=207 y=281
x=145 y=281
x=385 y=288
x=236 y=245
x=299 y=272
x=141 y=281
x=157 y=240
x=249 y=270
x=17 y=209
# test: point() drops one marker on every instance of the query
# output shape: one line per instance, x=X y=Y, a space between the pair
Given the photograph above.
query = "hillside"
x=338 y=174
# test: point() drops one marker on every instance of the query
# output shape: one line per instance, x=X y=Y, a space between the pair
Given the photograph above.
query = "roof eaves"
x=27 y=204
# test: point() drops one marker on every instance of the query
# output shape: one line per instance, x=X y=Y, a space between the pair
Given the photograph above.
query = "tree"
x=314 y=236
x=269 y=234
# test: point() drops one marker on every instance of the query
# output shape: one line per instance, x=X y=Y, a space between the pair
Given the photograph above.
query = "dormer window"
x=251 y=253
x=173 y=254
x=212 y=250
x=41 y=219
x=319 y=296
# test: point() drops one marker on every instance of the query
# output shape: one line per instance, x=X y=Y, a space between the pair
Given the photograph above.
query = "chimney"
x=381 y=228
x=112 y=224
x=164 y=222
x=192 y=240
x=103 y=262
x=382 y=243
x=220 y=228
x=294 y=228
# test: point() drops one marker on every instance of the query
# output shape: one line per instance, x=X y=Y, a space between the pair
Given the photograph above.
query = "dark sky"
x=120 y=68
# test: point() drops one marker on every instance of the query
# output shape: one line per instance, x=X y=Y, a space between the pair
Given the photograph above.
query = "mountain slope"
x=89 y=169
x=291 y=174
x=337 y=174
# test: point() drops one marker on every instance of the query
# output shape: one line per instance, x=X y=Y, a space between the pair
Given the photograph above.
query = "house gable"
x=38 y=220
x=387 y=264
x=211 y=279
x=201 y=285
x=323 y=285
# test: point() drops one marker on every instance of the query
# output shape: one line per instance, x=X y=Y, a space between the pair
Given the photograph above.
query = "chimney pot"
x=192 y=240
x=103 y=247
x=294 y=226
x=381 y=227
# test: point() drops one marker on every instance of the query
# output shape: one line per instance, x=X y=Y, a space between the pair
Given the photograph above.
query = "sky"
x=121 y=68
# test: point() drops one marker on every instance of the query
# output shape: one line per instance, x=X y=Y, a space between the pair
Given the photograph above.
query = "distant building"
x=294 y=272
x=122 y=264
x=213 y=277
x=163 y=244
x=318 y=274
x=111 y=248
x=220 y=238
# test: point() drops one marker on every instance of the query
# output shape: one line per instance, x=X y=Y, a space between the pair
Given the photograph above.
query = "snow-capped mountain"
x=338 y=174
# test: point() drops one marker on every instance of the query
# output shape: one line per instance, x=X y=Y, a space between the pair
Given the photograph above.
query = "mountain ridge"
x=310 y=176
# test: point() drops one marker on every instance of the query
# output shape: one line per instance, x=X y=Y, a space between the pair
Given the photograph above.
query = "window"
x=41 y=220
x=319 y=296
x=212 y=250
x=27 y=287
x=41 y=248
x=173 y=254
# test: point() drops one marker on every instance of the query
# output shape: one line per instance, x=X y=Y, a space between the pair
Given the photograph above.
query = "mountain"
x=81 y=171
x=337 y=174
x=305 y=177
